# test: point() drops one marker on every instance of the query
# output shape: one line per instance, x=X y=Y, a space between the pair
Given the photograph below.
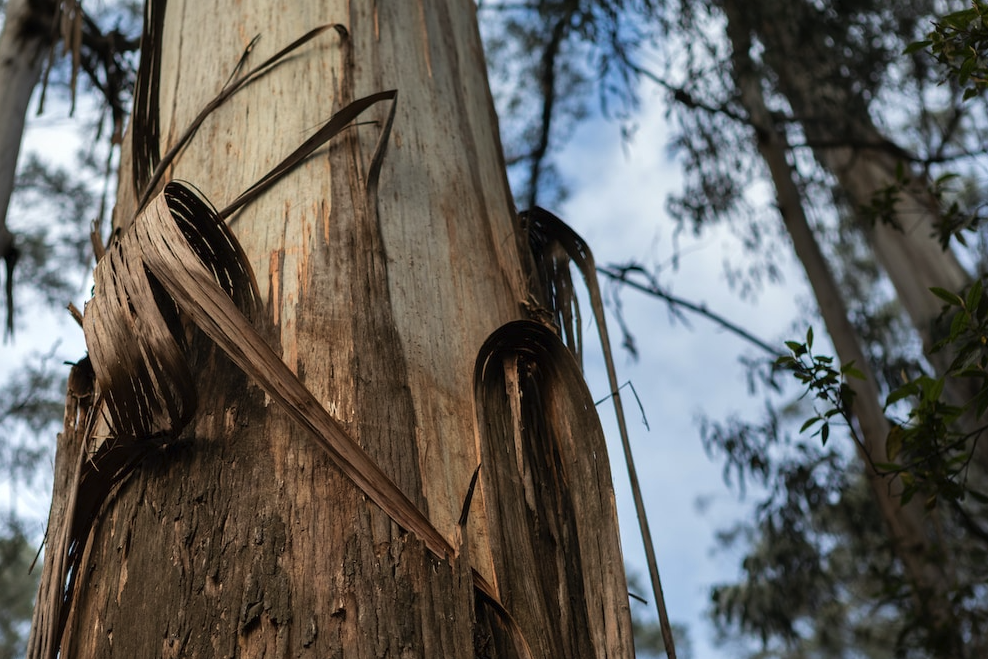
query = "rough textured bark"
x=25 y=39
x=239 y=537
x=909 y=527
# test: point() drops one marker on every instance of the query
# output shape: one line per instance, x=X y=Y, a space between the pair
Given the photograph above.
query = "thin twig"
x=621 y=274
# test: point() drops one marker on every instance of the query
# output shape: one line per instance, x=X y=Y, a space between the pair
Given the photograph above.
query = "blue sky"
x=617 y=203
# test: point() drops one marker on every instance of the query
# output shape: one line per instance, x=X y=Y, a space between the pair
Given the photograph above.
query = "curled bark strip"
x=551 y=247
x=146 y=190
x=331 y=128
x=491 y=611
x=178 y=261
x=93 y=466
x=145 y=126
x=539 y=436
x=554 y=244
x=174 y=261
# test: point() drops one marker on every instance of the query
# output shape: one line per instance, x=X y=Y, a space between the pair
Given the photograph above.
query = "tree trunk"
x=24 y=41
x=239 y=537
x=845 y=140
x=907 y=524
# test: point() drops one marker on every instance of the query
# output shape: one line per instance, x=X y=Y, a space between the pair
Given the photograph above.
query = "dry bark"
x=238 y=536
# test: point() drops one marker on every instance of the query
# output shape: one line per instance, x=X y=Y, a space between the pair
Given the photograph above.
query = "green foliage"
x=31 y=403
x=958 y=215
x=927 y=448
x=17 y=589
x=819 y=579
x=959 y=41
x=828 y=385
x=933 y=447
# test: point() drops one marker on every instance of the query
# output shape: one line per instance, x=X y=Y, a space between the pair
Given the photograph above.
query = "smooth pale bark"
x=240 y=538
x=847 y=143
x=907 y=524
x=24 y=41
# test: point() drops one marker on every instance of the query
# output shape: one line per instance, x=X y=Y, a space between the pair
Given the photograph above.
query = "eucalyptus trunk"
x=911 y=530
x=24 y=41
x=833 y=112
x=392 y=283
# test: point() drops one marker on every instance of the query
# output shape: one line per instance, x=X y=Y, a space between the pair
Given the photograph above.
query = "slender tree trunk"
x=907 y=524
x=240 y=537
x=846 y=142
x=836 y=121
x=24 y=41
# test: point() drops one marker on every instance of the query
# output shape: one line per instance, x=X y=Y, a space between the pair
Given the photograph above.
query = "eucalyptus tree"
x=377 y=444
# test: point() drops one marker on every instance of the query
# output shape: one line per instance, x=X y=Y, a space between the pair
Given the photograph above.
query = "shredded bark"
x=545 y=478
x=553 y=246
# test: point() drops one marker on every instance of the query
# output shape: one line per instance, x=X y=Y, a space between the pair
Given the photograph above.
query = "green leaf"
x=960 y=323
x=978 y=496
x=905 y=391
x=947 y=296
x=974 y=296
x=967 y=67
x=959 y=19
x=893 y=443
x=850 y=371
x=825 y=433
x=809 y=423
x=809 y=338
x=917 y=46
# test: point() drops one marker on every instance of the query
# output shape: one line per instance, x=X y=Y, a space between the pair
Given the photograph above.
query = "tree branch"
x=621 y=274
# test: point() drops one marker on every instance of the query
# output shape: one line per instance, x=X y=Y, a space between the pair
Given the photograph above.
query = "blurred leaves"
x=31 y=403
x=17 y=589
x=959 y=41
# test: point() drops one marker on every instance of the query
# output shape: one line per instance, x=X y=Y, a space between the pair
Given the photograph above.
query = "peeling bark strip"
x=541 y=445
x=174 y=256
x=179 y=256
x=150 y=167
x=554 y=245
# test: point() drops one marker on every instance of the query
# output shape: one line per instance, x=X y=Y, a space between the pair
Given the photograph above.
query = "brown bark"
x=239 y=537
x=908 y=525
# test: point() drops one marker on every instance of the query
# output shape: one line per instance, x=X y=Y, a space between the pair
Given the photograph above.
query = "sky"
x=617 y=201
x=617 y=204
